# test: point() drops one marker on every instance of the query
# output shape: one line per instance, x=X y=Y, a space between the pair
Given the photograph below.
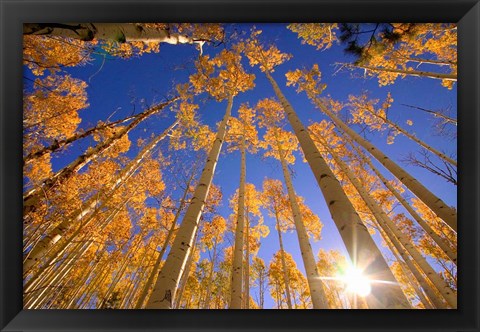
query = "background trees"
x=126 y=187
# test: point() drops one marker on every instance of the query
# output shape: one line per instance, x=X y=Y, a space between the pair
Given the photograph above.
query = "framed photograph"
x=269 y=165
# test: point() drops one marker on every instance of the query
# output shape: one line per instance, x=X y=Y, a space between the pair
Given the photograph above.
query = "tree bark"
x=440 y=76
x=317 y=292
x=442 y=210
x=154 y=274
x=50 y=239
x=67 y=141
x=439 y=154
x=164 y=290
x=237 y=266
x=360 y=246
x=284 y=263
x=247 y=261
x=437 y=239
x=388 y=226
x=33 y=196
x=119 y=32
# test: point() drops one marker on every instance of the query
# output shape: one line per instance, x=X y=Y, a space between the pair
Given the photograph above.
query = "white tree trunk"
x=440 y=76
x=286 y=279
x=154 y=274
x=315 y=284
x=437 y=239
x=388 y=226
x=360 y=246
x=236 y=297
x=439 y=154
x=164 y=290
x=442 y=210
x=50 y=239
x=119 y=32
x=32 y=197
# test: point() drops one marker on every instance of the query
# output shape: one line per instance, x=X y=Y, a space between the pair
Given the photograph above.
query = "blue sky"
x=125 y=86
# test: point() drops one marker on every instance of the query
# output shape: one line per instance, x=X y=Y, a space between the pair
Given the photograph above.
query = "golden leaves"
x=41 y=53
x=51 y=110
x=230 y=78
x=257 y=54
x=276 y=141
x=320 y=35
x=243 y=130
x=308 y=80
x=270 y=113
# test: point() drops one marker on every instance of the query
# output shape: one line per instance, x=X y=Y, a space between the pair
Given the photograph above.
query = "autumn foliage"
x=174 y=204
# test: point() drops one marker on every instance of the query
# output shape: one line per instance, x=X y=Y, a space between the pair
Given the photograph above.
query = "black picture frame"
x=14 y=13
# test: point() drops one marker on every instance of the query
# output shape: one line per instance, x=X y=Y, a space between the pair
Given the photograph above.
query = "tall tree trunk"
x=284 y=263
x=409 y=274
x=119 y=32
x=429 y=291
x=315 y=284
x=392 y=124
x=186 y=273
x=50 y=239
x=439 y=76
x=164 y=290
x=208 y=295
x=59 y=144
x=443 y=211
x=34 y=195
x=56 y=253
x=119 y=274
x=437 y=239
x=237 y=265
x=389 y=227
x=360 y=246
x=247 y=261
x=154 y=274
x=435 y=114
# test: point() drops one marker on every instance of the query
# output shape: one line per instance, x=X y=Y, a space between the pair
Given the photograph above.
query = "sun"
x=356 y=282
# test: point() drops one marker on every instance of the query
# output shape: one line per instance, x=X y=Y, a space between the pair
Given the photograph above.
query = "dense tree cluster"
x=130 y=223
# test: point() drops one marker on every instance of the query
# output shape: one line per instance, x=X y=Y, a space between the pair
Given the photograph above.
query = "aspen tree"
x=388 y=226
x=242 y=135
x=149 y=35
x=231 y=81
x=364 y=111
x=392 y=49
x=444 y=245
x=154 y=273
x=273 y=196
x=353 y=232
x=50 y=239
x=31 y=197
x=308 y=81
x=282 y=144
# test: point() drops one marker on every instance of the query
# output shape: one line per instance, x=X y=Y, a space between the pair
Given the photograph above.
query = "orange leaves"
x=120 y=146
x=270 y=113
x=189 y=128
x=306 y=80
x=257 y=54
x=213 y=231
x=230 y=77
x=365 y=112
x=297 y=282
x=51 y=110
x=320 y=35
x=41 y=53
x=276 y=141
x=243 y=129
x=39 y=170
